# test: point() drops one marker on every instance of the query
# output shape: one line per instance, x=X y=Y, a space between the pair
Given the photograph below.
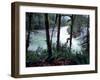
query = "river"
x=38 y=39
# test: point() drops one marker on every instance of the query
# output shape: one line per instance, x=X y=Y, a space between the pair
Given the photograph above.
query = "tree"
x=58 y=32
x=79 y=23
x=71 y=30
x=85 y=43
x=29 y=27
x=53 y=27
x=48 y=37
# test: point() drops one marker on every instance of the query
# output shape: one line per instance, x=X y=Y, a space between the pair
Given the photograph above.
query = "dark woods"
x=61 y=54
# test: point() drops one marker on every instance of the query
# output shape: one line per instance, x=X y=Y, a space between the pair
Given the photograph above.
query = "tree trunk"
x=39 y=16
x=48 y=36
x=53 y=29
x=52 y=34
x=58 y=34
x=29 y=30
x=71 y=31
x=88 y=37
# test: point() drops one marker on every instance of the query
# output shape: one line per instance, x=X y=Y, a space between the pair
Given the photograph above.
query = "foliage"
x=38 y=21
x=64 y=53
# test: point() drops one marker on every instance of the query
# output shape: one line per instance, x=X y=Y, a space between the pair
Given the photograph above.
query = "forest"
x=56 y=39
